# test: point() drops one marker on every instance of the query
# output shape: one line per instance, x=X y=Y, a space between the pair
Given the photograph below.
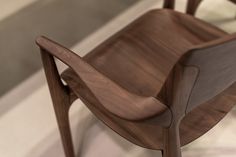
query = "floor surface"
x=67 y=21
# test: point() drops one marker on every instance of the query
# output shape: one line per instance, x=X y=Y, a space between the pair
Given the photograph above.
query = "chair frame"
x=182 y=85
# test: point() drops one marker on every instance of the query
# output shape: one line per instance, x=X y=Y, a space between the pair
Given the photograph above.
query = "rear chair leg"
x=192 y=6
x=61 y=101
x=169 y=4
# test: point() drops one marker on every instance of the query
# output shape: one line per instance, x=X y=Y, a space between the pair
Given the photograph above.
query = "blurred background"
x=27 y=123
x=66 y=21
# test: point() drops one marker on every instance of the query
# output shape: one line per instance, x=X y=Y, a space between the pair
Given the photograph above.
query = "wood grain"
x=61 y=101
x=113 y=97
x=216 y=64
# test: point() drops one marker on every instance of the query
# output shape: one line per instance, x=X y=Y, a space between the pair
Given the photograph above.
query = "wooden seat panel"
x=142 y=52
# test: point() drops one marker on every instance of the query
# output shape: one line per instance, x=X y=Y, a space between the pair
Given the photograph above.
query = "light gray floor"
x=68 y=22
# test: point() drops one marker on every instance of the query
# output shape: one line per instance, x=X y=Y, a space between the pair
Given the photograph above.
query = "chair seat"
x=139 y=58
x=146 y=50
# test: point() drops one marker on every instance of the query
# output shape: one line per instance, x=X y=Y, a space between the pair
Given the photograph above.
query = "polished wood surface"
x=216 y=62
x=193 y=5
x=168 y=67
x=113 y=97
x=61 y=98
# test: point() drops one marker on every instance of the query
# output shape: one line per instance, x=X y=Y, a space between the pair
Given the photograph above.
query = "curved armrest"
x=113 y=97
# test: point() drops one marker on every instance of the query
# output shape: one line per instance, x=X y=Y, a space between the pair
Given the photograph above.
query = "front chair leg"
x=172 y=146
x=61 y=101
x=62 y=115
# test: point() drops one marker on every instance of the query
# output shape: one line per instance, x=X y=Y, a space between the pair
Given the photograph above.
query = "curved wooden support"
x=183 y=79
x=192 y=6
x=172 y=141
x=216 y=61
x=113 y=97
x=61 y=98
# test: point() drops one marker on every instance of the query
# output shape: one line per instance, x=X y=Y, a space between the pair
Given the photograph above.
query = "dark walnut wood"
x=108 y=93
x=193 y=5
x=169 y=4
x=161 y=82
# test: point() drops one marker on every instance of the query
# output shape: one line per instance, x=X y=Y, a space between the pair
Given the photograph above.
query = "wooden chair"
x=194 y=4
x=161 y=82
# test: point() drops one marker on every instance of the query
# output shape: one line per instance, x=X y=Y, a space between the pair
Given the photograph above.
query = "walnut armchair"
x=161 y=82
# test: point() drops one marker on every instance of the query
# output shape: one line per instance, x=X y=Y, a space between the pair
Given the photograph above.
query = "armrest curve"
x=113 y=97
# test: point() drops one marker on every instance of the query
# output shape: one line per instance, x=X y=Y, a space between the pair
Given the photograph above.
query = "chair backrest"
x=216 y=62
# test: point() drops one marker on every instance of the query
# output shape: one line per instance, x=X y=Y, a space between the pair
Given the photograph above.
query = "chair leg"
x=61 y=101
x=170 y=4
x=177 y=103
x=233 y=1
x=172 y=146
x=62 y=115
x=192 y=6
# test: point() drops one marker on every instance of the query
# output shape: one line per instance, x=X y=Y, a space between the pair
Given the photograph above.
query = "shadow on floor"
x=67 y=22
